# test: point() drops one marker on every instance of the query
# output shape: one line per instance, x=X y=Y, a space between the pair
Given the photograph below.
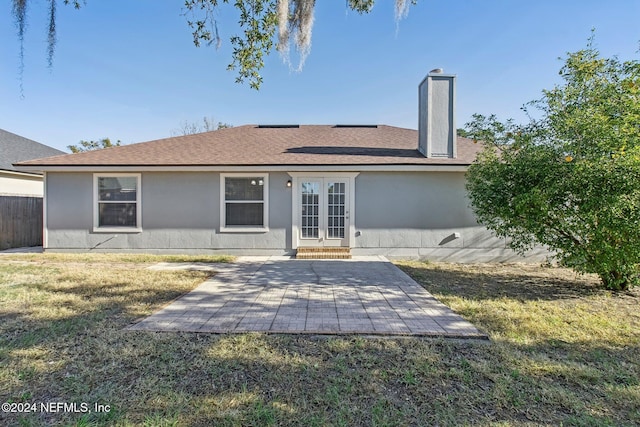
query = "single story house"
x=15 y=181
x=21 y=191
x=275 y=189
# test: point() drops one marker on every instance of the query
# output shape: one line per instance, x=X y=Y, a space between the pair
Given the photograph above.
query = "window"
x=117 y=202
x=244 y=202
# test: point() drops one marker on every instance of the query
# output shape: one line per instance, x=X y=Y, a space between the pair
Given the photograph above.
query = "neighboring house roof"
x=253 y=145
x=15 y=148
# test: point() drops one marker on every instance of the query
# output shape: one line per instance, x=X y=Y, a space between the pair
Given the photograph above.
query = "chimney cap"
x=436 y=71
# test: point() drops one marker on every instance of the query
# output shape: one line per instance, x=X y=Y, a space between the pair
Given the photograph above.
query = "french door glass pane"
x=310 y=209
x=335 y=210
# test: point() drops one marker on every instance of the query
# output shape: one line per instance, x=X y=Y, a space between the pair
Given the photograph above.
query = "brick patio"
x=365 y=295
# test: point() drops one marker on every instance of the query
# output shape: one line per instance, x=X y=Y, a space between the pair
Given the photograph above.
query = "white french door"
x=323 y=211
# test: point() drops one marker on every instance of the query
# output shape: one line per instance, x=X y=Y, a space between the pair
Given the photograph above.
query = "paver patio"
x=365 y=295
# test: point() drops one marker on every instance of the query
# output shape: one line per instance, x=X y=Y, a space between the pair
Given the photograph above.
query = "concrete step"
x=323 y=253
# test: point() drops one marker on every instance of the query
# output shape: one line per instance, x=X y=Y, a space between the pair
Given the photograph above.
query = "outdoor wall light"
x=289 y=184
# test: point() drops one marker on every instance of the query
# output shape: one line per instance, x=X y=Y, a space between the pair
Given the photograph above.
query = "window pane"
x=244 y=214
x=117 y=188
x=117 y=214
x=336 y=210
x=310 y=203
x=244 y=188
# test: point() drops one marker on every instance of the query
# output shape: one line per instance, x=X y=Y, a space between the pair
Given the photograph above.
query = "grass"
x=111 y=258
x=562 y=352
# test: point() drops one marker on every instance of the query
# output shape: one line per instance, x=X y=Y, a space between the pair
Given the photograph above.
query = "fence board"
x=20 y=221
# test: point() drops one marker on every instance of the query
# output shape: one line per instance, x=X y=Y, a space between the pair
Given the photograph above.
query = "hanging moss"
x=20 y=17
x=51 y=36
x=259 y=19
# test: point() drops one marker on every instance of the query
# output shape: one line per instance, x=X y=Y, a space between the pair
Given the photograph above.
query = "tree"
x=259 y=20
x=462 y=132
x=570 y=179
x=83 y=146
x=207 y=125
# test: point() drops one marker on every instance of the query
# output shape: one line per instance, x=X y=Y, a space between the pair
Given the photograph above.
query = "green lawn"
x=562 y=352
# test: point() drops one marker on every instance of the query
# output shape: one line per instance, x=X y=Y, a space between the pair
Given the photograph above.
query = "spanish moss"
x=402 y=9
x=51 y=36
x=259 y=18
x=20 y=16
x=283 y=26
x=303 y=24
x=296 y=24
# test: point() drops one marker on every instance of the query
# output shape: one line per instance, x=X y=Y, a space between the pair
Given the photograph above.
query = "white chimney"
x=436 y=115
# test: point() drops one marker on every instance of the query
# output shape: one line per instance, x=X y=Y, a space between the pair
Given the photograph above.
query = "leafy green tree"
x=83 y=146
x=570 y=178
x=462 y=132
x=259 y=20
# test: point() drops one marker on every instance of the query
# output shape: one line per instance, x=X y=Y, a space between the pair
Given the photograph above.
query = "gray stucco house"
x=258 y=189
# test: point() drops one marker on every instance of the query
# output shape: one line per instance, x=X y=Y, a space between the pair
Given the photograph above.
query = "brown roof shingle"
x=251 y=145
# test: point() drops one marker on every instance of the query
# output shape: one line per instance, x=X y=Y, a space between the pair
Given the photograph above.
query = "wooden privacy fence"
x=20 y=221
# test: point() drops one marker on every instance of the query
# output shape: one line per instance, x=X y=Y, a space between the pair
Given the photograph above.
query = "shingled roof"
x=253 y=145
x=15 y=148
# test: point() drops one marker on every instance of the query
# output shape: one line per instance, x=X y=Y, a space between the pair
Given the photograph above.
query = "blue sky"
x=128 y=70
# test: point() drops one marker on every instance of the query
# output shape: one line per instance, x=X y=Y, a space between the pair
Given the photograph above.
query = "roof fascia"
x=22 y=173
x=256 y=168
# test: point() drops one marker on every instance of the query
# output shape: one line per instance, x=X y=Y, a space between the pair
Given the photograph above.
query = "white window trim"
x=96 y=210
x=265 y=202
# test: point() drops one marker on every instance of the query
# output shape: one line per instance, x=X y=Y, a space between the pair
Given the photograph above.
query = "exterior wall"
x=418 y=215
x=180 y=212
x=397 y=214
x=20 y=184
